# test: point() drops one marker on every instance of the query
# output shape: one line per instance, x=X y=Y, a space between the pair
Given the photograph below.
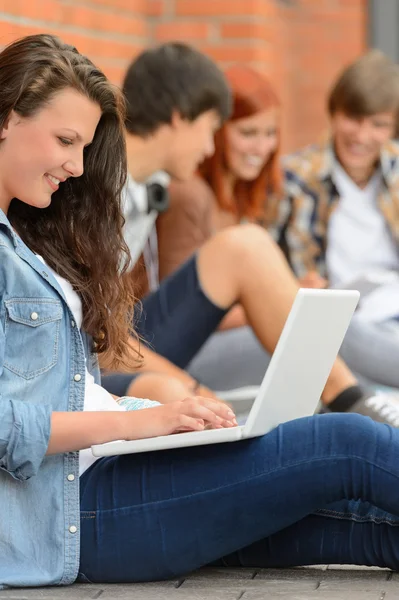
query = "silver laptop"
x=294 y=380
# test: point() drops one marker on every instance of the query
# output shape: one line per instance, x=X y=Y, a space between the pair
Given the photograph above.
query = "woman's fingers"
x=223 y=410
x=213 y=411
x=187 y=423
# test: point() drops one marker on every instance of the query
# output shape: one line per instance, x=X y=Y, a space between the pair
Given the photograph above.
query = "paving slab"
x=324 y=582
x=349 y=595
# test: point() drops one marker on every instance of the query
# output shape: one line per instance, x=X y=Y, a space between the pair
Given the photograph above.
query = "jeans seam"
x=325 y=512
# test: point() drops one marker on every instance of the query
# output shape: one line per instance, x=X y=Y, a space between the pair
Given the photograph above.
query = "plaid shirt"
x=311 y=196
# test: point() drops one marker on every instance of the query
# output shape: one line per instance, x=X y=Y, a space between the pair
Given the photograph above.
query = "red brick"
x=182 y=31
x=154 y=8
x=12 y=31
x=132 y=6
x=257 y=30
x=103 y=20
x=214 y=8
x=115 y=73
x=234 y=53
x=301 y=47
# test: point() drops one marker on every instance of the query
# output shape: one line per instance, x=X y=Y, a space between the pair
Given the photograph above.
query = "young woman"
x=63 y=301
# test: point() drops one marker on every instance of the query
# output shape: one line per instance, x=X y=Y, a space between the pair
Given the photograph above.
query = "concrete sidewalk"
x=318 y=583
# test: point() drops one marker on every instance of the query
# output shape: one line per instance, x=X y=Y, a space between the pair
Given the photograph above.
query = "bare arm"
x=78 y=430
x=72 y=431
x=186 y=225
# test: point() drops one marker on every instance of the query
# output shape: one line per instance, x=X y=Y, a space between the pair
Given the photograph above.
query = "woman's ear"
x=11 y=120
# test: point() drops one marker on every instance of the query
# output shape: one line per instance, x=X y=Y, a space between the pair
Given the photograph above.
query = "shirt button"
x=73 y=323
x=77 y=377
x=73 y=529
x=71 y=477
x=34 y=316
x=45 y=274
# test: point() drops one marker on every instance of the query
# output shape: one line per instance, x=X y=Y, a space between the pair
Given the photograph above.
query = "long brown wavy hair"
x=252 y=93
x=80 y=234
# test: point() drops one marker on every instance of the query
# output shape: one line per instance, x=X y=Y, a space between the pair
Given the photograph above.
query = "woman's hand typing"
x=72 y=431
x=191 y=414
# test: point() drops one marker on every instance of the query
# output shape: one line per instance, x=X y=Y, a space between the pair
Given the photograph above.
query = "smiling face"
x=358 y=141
x=250 y=142
x=38 y=153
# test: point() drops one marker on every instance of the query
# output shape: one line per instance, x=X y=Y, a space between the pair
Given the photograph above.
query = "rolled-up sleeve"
x=24 y=431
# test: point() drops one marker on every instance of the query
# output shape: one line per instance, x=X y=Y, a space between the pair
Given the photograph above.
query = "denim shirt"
x=42 y=366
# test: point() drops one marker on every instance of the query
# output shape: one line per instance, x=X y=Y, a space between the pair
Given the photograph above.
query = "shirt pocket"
x=32 y=328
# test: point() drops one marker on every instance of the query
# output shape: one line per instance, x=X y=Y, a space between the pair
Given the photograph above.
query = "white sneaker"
x=382 y=408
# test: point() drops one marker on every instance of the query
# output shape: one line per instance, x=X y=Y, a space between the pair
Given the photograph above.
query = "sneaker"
x=381 y=408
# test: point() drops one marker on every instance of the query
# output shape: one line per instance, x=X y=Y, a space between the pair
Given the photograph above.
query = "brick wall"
x=109 y=31
x=299 y=44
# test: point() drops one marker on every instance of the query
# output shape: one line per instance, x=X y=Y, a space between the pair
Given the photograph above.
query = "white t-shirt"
x=360 y=246
x=96 y=397
x=358 y=236
x=139 y=230
x=139 y=223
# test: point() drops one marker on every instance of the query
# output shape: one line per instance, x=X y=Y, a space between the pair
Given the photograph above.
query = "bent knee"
x=247 y=237
x=157 y=386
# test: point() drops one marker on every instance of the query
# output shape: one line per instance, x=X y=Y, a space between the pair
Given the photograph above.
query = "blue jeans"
x=317 y=490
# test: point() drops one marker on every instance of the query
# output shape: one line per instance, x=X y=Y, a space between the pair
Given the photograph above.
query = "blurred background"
x=300 y=44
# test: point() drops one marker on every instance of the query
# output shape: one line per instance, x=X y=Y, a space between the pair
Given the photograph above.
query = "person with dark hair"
x=139 y=517
x=176 y=80
x=339 y=223
x=239 y=266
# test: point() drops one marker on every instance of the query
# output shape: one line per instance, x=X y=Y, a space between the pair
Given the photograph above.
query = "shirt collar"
x=389 y=166
x=4 y=221
x=324 y=163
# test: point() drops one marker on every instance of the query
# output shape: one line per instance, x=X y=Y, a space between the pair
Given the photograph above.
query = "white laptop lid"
x=303 y=358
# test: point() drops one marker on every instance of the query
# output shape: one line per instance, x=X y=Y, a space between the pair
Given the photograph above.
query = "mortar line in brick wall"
x=245 y=19
x=214 y=39
x=214 y=33
x=169 y=9
x=106 y=10
x=151 y=29
x=255 y=43
x=111 y=9
x=128 y=40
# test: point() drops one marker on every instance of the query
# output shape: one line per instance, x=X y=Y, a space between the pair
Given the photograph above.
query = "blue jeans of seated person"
x=323 y=489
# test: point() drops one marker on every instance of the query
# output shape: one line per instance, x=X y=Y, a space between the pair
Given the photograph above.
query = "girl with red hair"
x=246 y=158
